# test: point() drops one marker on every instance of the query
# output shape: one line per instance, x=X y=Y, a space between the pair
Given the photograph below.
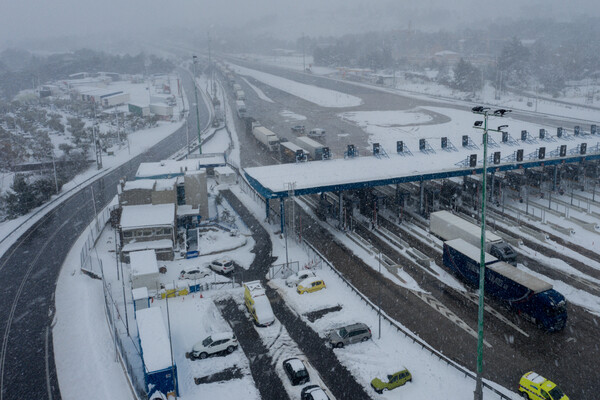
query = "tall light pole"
x=478 y=125
x=195 y=59
x=303 y=54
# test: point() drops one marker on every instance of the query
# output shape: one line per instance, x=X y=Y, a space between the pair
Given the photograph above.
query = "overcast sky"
x=27 y=19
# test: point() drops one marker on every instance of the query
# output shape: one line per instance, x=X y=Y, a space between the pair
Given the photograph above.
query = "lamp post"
x=195 y=59
x=478 y=125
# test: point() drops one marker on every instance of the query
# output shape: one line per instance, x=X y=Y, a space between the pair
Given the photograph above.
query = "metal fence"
x=86 y=261
x=424 y=345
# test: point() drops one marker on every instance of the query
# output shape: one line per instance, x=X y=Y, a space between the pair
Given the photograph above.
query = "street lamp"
x=485 y=111
x=195 y=59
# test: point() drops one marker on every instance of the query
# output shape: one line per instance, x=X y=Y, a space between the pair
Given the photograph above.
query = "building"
x=225 y=176
x=144 y=269
x=148 y=227
x=156 y=353
x=115 y=99
x=139 y=110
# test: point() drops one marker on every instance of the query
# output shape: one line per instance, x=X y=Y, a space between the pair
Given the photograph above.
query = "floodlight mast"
x=478 y=394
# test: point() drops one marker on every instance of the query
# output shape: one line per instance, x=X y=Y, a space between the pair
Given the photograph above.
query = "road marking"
x=442 y=309
x=475 y=299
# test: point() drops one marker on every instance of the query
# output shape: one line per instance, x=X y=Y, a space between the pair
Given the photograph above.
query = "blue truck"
x=530 y=297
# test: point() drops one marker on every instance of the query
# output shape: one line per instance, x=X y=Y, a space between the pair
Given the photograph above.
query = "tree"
x=467 y=77
x=514 y=64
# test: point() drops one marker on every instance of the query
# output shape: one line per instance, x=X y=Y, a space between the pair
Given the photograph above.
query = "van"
x=317 y=132
x=258 y=304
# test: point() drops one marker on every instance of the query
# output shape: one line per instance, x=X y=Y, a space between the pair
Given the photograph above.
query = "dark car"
x=313 y=392
x=296 y=371
x=298 y=129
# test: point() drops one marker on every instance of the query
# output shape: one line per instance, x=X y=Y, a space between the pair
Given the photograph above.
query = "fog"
x=29 y=20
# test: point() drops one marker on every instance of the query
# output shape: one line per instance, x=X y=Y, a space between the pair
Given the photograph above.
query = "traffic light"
x=519 y=155
x=542 y=153
x=497 y=157
x=399 y=146
x=473 y=160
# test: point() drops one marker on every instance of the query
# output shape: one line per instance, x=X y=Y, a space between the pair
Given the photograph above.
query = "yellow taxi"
x=535 y=387
x=310 y=285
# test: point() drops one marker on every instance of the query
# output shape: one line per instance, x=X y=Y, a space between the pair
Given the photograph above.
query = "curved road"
x=29 y=271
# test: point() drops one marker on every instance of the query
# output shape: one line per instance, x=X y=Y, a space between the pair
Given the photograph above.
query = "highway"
x=30 y=268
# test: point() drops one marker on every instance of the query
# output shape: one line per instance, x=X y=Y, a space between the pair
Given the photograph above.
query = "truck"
x=449 y=226
x=314 y=148
x=240 y=95
x=241 y=108
x=291 y=153
x=258 y=304
x=236 y=87
x=266 y=137
x=530 y=297
x=250 y=123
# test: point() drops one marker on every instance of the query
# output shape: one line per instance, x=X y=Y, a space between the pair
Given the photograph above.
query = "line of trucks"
x=521 y=292
x=303 y=149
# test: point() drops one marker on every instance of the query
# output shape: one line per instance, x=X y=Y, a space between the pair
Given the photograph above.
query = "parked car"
x=224 y=265
x=298 y=129
x=313 y=392
x=393 y=381
x=310 y=285
x=194 y=273
x=216 y=343
x=349 y=334
x=294 y=279
x=317 y=132
x=296 y=371
x=535 y=387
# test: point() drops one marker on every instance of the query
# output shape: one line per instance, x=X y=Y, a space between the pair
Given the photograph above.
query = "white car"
x=216 y=343
x=294 y=279
x=223 y=265
x=317 y=132
x=193 y=273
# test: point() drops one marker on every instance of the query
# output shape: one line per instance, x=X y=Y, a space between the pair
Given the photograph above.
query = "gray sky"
x=27 y=19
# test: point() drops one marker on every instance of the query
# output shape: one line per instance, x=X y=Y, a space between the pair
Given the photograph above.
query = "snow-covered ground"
x=320 y=96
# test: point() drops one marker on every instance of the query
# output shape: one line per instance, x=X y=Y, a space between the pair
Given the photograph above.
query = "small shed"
x=225 y=175
x=141 y=299
x=144 y=269
x=156 y=353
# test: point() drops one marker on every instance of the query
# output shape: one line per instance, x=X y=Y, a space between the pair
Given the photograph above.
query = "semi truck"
x=314 y=148
x=449 y=226
x=266 y=137
x=236 y=87
x=241 y=108
x=240 y=95
x=530 y=297
x=292 y=153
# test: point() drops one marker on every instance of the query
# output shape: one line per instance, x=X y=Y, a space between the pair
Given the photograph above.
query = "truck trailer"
x=449 y=226
x=314 y=148
x=266 y=137
x=241 y=108
x=521 y=292
x=240 y=95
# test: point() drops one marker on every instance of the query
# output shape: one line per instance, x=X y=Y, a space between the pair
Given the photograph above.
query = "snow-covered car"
x=317 y=132
x=298 y=129
x=294 y=279
x=296 y=371
x=220 y=342
x=223 y=265
x=349 y=334
x=313 y=392
x=194 y=273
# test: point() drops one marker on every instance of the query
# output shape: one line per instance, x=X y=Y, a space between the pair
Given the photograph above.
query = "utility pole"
x=478 y=394
x=303 y=54
x=195 y=61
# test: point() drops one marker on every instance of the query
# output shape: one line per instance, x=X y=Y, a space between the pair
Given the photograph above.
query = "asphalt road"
x=29 y=271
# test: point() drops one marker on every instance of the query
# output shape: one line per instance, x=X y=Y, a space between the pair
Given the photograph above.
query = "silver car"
x=349 y=334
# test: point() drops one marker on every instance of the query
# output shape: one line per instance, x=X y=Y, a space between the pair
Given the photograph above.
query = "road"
x=30 y=268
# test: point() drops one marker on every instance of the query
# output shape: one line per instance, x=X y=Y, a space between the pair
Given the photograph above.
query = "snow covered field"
x=314 y=94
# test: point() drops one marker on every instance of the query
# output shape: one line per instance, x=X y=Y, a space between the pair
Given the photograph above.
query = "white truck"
x=240 y=95
x=241 y=108
x=266 y=137
x=236 y=87
x=449 y=226
x=314 y=148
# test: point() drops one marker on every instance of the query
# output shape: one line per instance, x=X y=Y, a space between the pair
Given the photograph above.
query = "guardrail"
x=417 y=340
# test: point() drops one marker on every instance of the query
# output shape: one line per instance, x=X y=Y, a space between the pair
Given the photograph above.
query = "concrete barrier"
x=588 y=226
x=562 y=229
x=543 y=236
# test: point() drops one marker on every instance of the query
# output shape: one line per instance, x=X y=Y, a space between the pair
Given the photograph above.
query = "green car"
x=394 y=380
